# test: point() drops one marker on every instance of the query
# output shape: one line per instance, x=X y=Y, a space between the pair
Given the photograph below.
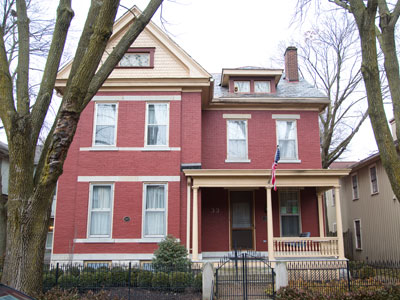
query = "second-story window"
x=374 y=180
x=157 y=124
x=105 y=124
x=354 y=182
x=287 y=139
x=237 y=140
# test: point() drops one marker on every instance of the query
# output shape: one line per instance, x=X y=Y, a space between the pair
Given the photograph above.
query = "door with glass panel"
x=242 y=220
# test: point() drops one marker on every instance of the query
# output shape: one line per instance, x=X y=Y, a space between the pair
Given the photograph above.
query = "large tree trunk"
x=365 y=19
x=3 y=226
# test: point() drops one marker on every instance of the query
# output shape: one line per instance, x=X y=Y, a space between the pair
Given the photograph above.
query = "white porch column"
x=188 y=216
x=321 y=215
x=195 y=227
x=339 y=226
x=270 y=229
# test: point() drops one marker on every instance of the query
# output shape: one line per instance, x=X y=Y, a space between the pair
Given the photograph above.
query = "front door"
x=242 y=220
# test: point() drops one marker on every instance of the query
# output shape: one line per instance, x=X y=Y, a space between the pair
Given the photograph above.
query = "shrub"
x=49 y=281
x=144 y=278
x=178 y=281
x=170 y=255
x=103 y=278
x=198 y=282
x=54 y=272
x=87 y=280
x=59 y=294
x=67 y=281
x=134 y=277
x=119 y=276
x=74 y=270
x=160 y=280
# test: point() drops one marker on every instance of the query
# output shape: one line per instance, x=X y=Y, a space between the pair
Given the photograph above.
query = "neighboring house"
x=370 y=211
x=166 y=148
x=4 y=171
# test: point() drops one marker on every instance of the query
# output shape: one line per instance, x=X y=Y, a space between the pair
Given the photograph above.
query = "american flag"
x=274 y=166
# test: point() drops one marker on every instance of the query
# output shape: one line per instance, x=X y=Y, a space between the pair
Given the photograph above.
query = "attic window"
x=242 y=86
x=262 y=86
x=138 y=58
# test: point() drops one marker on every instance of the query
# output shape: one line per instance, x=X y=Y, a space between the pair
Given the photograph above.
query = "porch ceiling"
x=320 y=178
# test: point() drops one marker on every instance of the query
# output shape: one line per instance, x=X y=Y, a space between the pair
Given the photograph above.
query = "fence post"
x=129 y=282
x=273 y=283
x=244 y=276
x=208 y=281
x=57 y=274
x=348 y=276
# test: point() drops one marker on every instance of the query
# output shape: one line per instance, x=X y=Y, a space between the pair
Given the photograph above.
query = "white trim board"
x=114 y=241
x=129 y=178
x=286 y=116
x=105 y=148
x=138 y=98
x=101 y=256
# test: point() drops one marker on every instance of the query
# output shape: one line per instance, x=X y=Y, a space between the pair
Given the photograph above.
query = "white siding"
x=4 y=175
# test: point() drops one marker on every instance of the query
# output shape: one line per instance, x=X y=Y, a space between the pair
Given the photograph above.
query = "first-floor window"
x=100 y=210
x=155 y=210
x=290 y=213
x=357 y=232
x=237 y=139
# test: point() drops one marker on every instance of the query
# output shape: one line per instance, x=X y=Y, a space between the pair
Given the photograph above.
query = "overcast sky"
x=228 y=33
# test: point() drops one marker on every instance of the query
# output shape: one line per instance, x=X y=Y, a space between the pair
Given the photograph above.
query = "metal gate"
x=244 y=276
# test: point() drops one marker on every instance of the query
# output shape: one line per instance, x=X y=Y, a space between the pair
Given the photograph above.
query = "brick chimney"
x=291 y=66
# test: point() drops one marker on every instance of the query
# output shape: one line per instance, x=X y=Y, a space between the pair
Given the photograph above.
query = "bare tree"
x=376 y=21
x=29 y=199
x=328 y=56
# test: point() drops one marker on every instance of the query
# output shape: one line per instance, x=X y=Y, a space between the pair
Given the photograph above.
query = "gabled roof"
x=171 y=61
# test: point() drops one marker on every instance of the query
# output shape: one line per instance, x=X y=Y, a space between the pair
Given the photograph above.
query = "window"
x=287 y=139
x=333 y=198
x=354 y=182
x=105 y=124
x=374 y=180
x=138 y=58
x=290 y=213
x=237 y=140
x=97 y=264
x=157 y=124
x=357 y=233
x=49 y=238
x=241 y=86
x=262 y=86
x=100 y=210
x=154 y=223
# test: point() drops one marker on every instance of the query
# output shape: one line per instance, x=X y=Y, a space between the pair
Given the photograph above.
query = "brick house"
x=167 y=148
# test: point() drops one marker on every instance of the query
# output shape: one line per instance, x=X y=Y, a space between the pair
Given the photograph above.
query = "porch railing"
x=306 y=247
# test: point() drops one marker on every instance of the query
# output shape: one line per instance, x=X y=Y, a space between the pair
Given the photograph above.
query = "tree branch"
x=23 y=59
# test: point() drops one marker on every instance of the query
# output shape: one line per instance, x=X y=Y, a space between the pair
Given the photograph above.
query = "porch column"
x=195 y=227
x=270 y=229
x=339 y=226
x=188 y=216
x=321 y=215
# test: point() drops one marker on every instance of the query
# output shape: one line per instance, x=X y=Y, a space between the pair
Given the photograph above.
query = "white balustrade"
x=306 y=247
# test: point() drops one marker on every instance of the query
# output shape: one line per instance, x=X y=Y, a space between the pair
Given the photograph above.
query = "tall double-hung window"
x=100 y=210
x=290 y=213
x=287 y=139
x=105 y=124
x=157 y=120
x=154 y=213
x=237 y=140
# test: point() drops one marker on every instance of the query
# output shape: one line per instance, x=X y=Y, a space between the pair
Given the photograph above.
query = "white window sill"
x=99 y=148
x=114 y=241
x=237 y=160
x=289 y=161
x=147 y=148
x=376 y=193
x=160 y=148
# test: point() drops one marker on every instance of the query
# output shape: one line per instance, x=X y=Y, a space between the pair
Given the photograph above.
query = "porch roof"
x=320 y=178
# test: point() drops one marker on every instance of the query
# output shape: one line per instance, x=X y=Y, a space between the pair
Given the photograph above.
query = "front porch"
x=238 y=209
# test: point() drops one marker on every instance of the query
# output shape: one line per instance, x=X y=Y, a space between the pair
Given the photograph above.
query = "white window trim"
x=145 y=185
x=95 y=121
x=299 y=211
x=358 y=187
x=286 y=160
x=236 y=160
x=105 y=237
x=370 y=179
x=355 y=234
x=146 y=146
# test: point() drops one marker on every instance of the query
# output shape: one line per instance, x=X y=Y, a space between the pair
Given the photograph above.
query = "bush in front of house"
x=74 y=270
x=160 y=280
x=373 y=293
x=49 y=280
x=171 y=255
x=67 y=281
x=198 y=282
x=119 y=276
x=178 y=281
x=144 y=278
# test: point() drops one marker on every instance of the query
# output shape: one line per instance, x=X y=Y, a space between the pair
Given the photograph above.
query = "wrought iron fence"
x=244 y=276
x=129 y=281
x=336 y=276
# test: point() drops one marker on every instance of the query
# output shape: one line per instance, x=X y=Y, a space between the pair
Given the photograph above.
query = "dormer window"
x=138 y=58
x=262 y=86
x=242 y=86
